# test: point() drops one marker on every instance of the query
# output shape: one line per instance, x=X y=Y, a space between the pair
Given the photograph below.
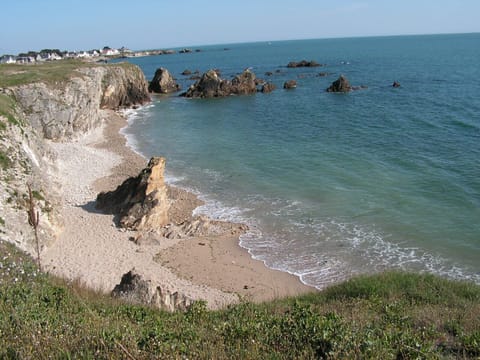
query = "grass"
x=51 y=72
x=387 y=316
x=5 y=161
x=7 y=110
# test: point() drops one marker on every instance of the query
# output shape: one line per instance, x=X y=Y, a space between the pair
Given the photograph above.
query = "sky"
x=160 y=24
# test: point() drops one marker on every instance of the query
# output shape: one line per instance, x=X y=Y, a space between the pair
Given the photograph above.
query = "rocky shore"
x=71 y=160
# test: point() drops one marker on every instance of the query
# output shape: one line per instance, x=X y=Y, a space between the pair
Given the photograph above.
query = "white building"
x=8 y=59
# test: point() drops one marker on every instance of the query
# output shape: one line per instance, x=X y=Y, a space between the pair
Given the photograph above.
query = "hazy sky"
x=146 y=24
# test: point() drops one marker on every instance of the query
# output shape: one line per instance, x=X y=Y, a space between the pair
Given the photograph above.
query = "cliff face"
x=59 y=112
x=31 y=113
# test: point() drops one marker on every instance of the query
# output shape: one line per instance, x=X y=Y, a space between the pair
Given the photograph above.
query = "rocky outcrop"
x=211 y=85
x=163 y=82
x=340 y=85
x=133 y=288
x=61 y=111
x=267 y=88
x=141 y=202
x=123 y=86
x=303 y=63
x=290 y=84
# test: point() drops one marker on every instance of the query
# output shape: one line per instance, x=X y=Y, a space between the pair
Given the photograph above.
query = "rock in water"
x=212 y=85
x=290 y=84
x=340 y=85
x=267 y=88
x=163 y=82
x=141 y=202
x=244 y=83
x=303 y=63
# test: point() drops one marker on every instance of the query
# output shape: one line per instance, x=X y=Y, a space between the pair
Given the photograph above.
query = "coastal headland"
x=69 y=149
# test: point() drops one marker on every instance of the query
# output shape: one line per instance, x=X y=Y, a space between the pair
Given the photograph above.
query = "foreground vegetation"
x=388 y=316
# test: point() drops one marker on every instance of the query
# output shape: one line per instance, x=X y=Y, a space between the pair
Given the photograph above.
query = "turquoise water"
x=334 y=185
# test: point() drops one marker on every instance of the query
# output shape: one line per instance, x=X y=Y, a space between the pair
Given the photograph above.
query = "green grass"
x=7 y=110
x=52 y=72
x=387 y=316
x=5 y=161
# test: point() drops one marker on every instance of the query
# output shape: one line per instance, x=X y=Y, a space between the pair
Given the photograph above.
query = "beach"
x=93 y=251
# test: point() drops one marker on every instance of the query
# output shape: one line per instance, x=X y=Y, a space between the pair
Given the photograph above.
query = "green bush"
x=386 y=316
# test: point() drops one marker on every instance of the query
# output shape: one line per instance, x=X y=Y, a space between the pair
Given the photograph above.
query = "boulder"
x=186 y=72
x=290 y=84
x=244 y=83
x=212 y=85
x=140 y=202
x=267 y=88
x=303 y=63
x=163 y=82
x=396 y=84
x=133 y=288
x=340 y=85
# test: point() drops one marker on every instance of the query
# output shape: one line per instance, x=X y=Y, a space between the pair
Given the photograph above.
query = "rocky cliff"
x=34 y=111
x=61 y=111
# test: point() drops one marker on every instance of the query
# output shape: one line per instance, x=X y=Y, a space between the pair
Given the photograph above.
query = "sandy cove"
x=94 y=251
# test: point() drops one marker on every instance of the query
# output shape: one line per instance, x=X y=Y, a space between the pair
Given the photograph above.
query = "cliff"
x=61 y=110
x=37 y=106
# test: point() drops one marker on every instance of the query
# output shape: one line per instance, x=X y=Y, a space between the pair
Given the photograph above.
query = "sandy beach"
x=92 y=250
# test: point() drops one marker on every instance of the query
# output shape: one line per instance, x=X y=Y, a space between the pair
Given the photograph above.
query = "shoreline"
x=214 y=268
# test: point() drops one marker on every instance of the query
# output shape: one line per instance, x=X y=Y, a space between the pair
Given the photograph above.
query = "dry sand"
x=93 y=250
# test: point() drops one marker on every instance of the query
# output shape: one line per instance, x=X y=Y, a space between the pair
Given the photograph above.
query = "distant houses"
x=8 y=59
x=55 y=54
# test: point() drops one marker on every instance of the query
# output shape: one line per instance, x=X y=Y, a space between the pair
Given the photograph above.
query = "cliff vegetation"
x=387 y=316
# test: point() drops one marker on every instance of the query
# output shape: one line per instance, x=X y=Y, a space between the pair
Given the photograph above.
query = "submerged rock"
x=396 y=84
x=303 y=63
x=163 y=82
x=290 y=84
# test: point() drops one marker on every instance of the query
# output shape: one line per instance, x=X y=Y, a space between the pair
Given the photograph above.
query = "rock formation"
x=290 y=84
x=124 y=86
x=303 y=63
x=58 y=112
x=141 y=202
x=340 y=85
x=267 y=88
x=212 y=85
x=134 y=289
x=163 y=82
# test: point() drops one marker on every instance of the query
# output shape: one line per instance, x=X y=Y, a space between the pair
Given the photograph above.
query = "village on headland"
x=106 y=53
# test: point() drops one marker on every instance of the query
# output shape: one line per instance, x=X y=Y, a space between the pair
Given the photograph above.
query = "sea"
x=332 y=185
